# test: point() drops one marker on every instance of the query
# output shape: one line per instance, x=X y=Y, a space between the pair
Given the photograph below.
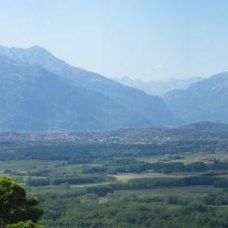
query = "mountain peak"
x=62 y=97
x=222 y=75
x=38 y=49
x=34 y=55
x=15 y=49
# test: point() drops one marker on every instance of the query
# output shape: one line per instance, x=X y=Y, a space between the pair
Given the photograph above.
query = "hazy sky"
x=146 y=39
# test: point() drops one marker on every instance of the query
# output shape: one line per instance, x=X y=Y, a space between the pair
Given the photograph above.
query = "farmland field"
x=122 y=185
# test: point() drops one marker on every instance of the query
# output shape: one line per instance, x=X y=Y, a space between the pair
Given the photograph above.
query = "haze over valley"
x=83 y=147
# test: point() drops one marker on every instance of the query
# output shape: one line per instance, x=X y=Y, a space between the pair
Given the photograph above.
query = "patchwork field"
x=121 y=185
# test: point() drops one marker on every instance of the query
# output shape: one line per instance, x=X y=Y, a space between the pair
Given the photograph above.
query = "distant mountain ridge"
x=158 y=88
x=39 y=92
x=206 y=100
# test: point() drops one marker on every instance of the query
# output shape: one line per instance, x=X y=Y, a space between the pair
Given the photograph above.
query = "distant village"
x=101 y=137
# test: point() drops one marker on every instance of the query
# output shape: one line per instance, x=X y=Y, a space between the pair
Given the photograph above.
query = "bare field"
x=130 y=176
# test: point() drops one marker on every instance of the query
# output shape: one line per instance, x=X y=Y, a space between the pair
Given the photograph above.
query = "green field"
x=84 y=185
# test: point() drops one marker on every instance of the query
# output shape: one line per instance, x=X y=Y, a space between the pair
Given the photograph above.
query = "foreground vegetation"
x=16 y=210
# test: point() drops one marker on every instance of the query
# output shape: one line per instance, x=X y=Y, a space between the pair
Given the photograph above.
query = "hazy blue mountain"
x=157 y=87
x=152 y=108
x=39 y=92
x=206 y=100
x=33 y=99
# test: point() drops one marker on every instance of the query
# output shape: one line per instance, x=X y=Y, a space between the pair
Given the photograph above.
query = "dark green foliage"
x=127 y=166
x=137 y=211
x=14 y=205
x=100 y=190
x=179 y=167
x=96 y=169
x=37 y=182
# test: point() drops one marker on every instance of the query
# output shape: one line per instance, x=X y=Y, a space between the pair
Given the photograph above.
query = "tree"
x=15 y=207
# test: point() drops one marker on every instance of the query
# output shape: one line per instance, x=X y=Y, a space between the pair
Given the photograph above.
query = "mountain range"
x=158 y=88
x=206 y=100
x=40 y=92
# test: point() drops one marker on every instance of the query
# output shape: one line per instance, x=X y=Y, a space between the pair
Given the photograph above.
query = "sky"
x=143 y=39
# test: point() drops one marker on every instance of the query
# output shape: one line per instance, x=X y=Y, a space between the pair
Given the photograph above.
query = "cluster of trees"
x=99 y=152
x=16 y=210
x=119 y=166
x=153 y=183
x=79 y=179
x=134 y=166
x=124 y=210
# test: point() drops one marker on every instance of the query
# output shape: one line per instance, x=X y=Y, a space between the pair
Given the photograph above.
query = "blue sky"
x=145 y=39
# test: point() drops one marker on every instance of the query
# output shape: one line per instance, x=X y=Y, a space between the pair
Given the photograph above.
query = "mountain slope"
x=150 y=108
x=206 y=100
x=33 y=99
